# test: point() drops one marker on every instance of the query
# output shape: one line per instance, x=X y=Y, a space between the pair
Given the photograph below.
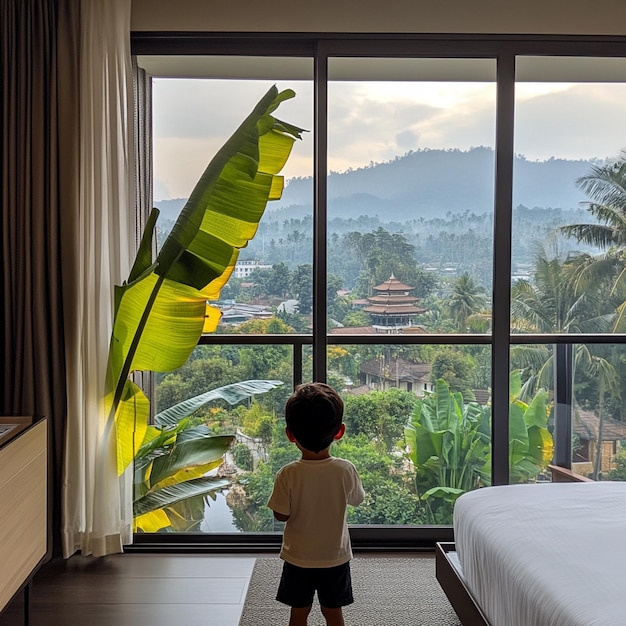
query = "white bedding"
x=545 y=554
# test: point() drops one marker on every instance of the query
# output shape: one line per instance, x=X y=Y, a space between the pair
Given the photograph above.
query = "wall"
x=602 y=17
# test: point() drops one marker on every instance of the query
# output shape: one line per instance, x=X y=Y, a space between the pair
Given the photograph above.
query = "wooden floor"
x=137 y=590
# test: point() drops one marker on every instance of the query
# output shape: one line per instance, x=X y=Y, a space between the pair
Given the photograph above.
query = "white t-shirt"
x=315 y=494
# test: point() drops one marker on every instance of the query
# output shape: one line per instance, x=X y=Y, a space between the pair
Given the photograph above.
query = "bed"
x=548 y=554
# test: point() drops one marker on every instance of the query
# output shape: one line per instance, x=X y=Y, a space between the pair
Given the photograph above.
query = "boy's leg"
x=296 y=591
x=333 y=617
x=299 y=616
x=334 y=592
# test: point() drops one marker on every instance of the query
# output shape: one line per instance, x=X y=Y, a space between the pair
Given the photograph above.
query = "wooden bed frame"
x=453 y=585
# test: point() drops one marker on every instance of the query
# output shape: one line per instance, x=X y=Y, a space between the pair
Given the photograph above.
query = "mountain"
x=429 y=183
x=170 y=208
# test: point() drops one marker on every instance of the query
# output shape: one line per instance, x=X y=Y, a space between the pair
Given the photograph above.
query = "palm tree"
x=467 y=298
x=550 y=303
x=608 y=382
x=605 y=185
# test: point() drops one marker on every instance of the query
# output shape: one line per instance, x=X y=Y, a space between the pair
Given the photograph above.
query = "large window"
x=424 y=255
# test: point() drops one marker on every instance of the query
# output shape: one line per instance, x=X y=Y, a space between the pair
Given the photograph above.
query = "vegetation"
x=449 y=445
x=162 y=310
x=177 y=455
x=447 y=259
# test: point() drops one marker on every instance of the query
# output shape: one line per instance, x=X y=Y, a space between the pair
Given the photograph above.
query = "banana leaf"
x=162 y=310
x=176 y=493
x=183 y=453
x=232 y=394
x=195 y=446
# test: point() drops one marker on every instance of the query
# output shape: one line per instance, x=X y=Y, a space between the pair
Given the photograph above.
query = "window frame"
x=505 y=49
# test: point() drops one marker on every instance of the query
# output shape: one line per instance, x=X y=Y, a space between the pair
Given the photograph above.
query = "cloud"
x=407 y=140
x=583 y=121
x=211 y=108
x=367 y=125
x=375 y=122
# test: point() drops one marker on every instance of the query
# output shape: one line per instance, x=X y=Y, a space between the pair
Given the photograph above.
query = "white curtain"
x=97 y=504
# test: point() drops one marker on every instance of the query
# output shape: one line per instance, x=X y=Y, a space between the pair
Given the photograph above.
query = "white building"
x=243 y=269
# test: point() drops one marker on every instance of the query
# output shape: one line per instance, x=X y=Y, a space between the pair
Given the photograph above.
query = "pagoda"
x=393 y=307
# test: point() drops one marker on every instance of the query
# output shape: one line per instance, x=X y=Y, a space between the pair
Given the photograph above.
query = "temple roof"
x=392 y=309
x=393 y=284
x=392 y=299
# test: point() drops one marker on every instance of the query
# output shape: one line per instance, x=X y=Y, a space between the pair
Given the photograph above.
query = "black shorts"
x=298 y=586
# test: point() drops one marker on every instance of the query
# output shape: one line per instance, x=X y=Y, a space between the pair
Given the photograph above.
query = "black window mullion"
x=563 y=396
x=501 y=313
x=320 y=213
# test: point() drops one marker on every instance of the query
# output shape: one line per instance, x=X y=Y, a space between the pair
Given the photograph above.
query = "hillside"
x=428 y=183
x=432 y=183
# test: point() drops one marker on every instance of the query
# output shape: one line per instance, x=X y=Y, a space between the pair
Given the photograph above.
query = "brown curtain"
x=38 y=163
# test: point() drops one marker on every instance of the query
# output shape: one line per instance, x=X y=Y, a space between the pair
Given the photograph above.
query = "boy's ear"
x=290 y=436
x=340 y=432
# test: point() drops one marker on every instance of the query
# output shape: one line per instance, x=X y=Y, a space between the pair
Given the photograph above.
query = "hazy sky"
x=375 y=121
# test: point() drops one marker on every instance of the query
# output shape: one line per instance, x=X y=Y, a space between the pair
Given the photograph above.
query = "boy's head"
x=314 y=414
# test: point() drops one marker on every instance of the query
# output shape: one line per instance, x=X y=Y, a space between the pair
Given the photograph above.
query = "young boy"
x=311 y=495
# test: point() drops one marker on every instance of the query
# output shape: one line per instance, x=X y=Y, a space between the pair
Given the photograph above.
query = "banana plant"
x=531 y=446
x=177 y=453
x=161 y=311
x=448 y=441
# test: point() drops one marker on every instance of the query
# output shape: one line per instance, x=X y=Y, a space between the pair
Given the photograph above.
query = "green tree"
x=553 y=303
x=302 y=287
x=619 y=473
x=335 y=305
x=456 y=369
x=295 y=321
x=605 y=185
x=467 y=299
x=380 y=254
x=279 y=280
x=380 y=415
x=357 y=318
x=242 y=455
x=195 y=377
x=389 y=496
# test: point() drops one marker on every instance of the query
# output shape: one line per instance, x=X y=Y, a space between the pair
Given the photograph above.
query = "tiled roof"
x=353 y=330
x=384 y=309
x=586 y=425
x=393 y=284
x=392 y=299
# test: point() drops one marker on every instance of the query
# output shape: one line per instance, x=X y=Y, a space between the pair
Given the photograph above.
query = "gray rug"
x=400 y=591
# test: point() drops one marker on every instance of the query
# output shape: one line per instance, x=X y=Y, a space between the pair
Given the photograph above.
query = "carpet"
x=399 y=591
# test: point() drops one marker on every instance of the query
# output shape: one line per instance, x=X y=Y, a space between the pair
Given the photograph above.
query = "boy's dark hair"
x=314 y=413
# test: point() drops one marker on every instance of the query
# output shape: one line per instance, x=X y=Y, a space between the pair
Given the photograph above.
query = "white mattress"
x=545 y=554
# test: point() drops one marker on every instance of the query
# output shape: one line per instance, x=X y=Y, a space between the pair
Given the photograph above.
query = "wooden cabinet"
x=23 y=505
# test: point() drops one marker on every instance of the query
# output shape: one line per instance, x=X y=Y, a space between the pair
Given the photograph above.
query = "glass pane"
x=410 y=194
x=396 y=427
x=531 y=413
x=245 y=417
x=598 y=429
x=270 y=290
x=568 y=198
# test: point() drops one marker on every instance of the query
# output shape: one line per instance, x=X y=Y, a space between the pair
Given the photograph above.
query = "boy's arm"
x=279 y=500
x=357 y=494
